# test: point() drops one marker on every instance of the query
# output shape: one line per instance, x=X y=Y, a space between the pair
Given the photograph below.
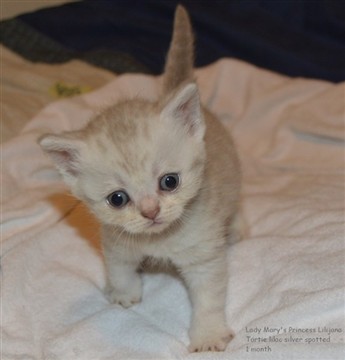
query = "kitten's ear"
x=185 y=109
x=64 y=150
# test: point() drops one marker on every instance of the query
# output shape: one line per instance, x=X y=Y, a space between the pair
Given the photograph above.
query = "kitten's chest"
x=181 y=247
x=167 y=248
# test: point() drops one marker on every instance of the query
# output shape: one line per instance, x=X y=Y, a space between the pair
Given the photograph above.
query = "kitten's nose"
x=149 y=207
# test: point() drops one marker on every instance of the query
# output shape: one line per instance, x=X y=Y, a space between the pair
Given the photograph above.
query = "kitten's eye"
x=169 y=182
x=117 y=199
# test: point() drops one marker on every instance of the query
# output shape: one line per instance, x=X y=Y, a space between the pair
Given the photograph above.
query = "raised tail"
x=180 y=58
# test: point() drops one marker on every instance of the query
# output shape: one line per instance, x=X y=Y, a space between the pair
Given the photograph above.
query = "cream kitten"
x=163 y=178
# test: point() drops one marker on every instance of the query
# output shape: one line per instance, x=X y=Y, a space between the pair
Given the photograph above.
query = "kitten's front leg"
x=207 y=283
x=124 y=285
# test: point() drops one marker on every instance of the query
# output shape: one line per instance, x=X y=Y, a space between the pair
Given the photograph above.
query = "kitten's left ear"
x=185 y=109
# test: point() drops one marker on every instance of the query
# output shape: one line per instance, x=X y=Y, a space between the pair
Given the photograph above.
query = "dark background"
x=297 y=38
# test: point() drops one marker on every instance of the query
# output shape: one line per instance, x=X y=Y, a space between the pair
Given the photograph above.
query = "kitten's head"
x=138 y=165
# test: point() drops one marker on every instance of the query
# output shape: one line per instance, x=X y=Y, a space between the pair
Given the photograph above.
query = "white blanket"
x=286 y=279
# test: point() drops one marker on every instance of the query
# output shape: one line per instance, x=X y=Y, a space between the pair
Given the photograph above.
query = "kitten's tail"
x=180 y=58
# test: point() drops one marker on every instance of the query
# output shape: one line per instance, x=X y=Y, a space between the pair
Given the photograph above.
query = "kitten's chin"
x=156 y=227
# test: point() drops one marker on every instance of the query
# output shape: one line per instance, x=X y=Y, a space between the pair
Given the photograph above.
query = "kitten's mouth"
x=156 y=225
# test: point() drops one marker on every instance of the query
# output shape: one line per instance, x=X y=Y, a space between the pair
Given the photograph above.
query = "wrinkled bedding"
x=27 y=87
x=286 y=278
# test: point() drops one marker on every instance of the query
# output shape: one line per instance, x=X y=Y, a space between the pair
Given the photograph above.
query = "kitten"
x=163 y=178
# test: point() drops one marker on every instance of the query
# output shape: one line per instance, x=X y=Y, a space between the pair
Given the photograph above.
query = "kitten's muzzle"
x=149 y=207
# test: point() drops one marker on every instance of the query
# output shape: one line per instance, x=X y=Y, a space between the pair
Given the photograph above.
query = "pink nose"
x=149 y=207
x=150 y=214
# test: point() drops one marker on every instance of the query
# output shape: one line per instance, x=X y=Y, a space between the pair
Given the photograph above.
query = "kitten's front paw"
x=125 y=300
x=125 y=297
x=210 y=341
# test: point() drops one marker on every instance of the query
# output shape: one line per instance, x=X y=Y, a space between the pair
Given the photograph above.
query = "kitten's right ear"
x=65 y=151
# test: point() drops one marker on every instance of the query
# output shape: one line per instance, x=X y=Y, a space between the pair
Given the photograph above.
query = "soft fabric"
x=287 y=274
x=27 y=87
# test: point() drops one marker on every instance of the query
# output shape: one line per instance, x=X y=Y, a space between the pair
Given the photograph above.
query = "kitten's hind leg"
x=207 y=284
